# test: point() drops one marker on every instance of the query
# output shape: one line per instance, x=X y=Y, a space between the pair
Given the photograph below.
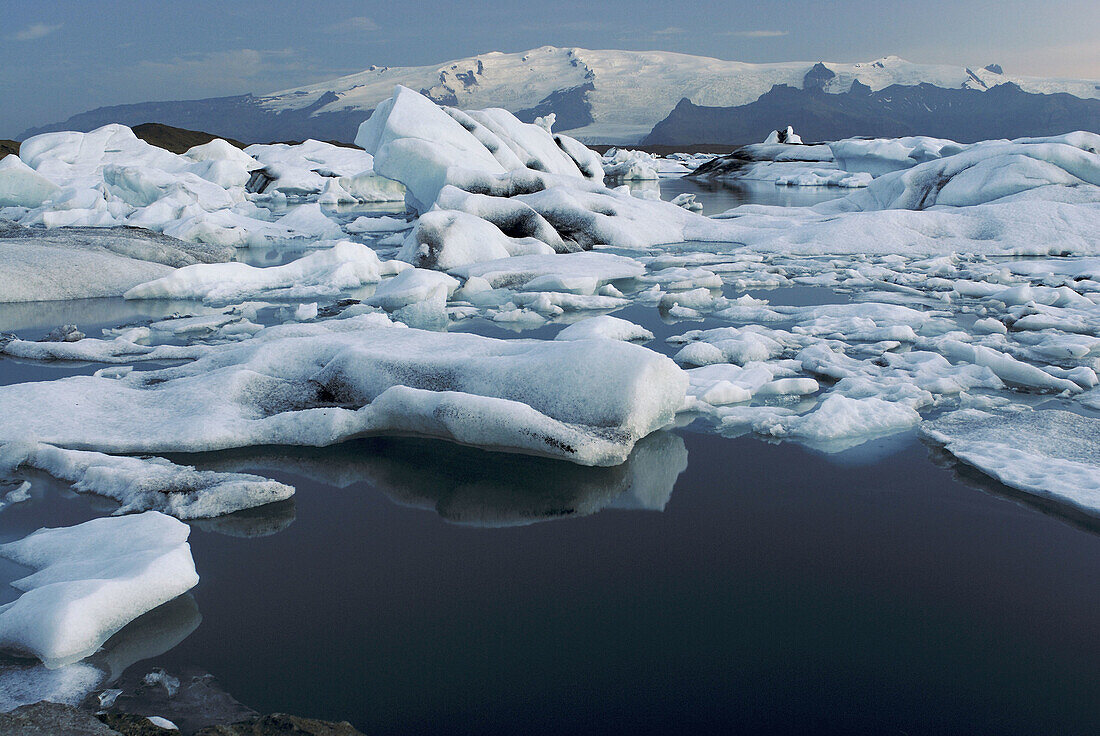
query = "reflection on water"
x=469 y=486
x=262 y=521
x=150 y=635
x=776 y=588
x=32 y=320
x=719 y=196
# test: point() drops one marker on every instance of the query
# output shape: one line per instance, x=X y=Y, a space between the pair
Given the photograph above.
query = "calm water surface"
x=709 y=585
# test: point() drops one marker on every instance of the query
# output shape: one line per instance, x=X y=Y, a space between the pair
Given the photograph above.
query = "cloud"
x=34 y=31
x=223 y=72
x=358 y=24
x=670 y=31
x=755 y=34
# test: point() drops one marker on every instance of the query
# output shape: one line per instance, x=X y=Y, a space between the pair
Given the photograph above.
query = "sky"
x=62 y=57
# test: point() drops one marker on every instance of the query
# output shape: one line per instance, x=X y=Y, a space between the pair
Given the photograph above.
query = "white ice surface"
x=146 y=483
x=90 y=581
x=1051 y=453
x=320 y=383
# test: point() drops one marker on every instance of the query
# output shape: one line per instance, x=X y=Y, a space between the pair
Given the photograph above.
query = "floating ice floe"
x=784 y=164
x=1050 y=453
x=78 y=263
x=346 y=265
x=147 y=483
x=1007 y=198
x=320 y=383
x=91 y=580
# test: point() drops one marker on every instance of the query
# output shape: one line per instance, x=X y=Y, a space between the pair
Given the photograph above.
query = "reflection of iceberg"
x=25 y=681
x=974 y=478
x=148 y=636
x=470 y=486
x=262 y=521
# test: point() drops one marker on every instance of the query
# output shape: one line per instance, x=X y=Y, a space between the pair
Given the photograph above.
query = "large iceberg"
x=425 y=147
x=586 y=401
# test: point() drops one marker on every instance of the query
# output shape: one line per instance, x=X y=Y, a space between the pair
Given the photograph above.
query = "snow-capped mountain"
x=598 y=96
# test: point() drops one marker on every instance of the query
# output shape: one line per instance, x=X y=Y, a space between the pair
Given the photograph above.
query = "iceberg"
x=587 y=401
x=425 y=146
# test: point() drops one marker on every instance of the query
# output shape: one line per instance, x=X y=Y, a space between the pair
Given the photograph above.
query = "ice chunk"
x=841 y=422
x=515 y=273
x=91 y=580
x=142 y=484
x=984 y=172
x=605 y=327
x=624 y=165
x=309 y=220
x=411 y=286
x=787 y=136
x=877 y=156
x=447 y=240
x=43 y=271
x=1007 y=368
x=220 y=150
x=346 y=265
x=1050 y=453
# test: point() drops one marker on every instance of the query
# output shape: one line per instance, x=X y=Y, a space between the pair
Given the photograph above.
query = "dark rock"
x=197 y=702
x=52 y=719
x=571 y=106
x=132 y=725
x=281 y=724
x=7 y=147
x=176 y=140
x=64 y=333
x=817 y=77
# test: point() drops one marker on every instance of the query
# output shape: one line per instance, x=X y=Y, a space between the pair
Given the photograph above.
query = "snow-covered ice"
x=1050 y=453
x=320 y=383
x=143 y=484
x=90 y=581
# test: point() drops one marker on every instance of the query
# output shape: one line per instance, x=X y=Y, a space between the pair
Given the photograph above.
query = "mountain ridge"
x=598 y=96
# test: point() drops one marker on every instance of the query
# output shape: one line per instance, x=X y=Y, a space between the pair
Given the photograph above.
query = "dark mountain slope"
x=1003 y=111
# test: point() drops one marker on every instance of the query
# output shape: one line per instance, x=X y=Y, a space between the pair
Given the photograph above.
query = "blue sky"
x=63 y=57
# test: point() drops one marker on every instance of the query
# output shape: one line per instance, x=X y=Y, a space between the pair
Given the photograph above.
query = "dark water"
x=709 y=585
x=778 y=591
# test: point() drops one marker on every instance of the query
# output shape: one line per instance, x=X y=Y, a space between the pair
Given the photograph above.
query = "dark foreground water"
x=777 y=591
x=709 y=585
